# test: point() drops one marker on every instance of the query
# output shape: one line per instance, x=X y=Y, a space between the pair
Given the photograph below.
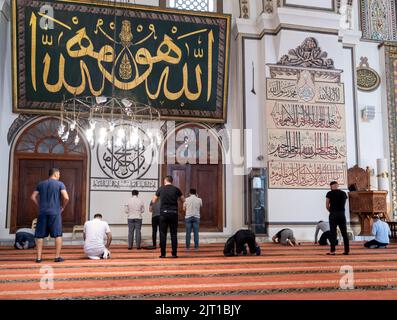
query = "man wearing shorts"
x=51 y=198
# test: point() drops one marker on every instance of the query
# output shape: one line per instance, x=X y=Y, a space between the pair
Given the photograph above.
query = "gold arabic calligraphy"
x=133 y=69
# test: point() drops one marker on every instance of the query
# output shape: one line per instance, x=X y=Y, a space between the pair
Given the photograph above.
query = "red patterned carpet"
x=280 y=272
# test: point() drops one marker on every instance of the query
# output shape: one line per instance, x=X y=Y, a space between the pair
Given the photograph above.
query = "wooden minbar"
x=363 y=201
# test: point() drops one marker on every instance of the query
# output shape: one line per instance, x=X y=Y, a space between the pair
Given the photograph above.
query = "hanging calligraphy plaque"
x=173 y=60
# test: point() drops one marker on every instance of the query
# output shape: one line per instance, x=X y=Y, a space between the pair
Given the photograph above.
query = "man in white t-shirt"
x=95 y=231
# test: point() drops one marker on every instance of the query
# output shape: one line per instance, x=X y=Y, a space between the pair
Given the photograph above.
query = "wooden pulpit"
x=363 y=201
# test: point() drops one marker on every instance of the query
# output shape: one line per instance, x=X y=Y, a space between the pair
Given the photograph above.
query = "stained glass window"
x=42 y=137
x=194 y=5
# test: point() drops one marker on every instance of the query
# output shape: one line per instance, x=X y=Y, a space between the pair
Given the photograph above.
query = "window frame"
x=218 y=6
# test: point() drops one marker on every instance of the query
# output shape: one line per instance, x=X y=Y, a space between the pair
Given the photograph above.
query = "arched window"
x=42 y=137
x=194 y=5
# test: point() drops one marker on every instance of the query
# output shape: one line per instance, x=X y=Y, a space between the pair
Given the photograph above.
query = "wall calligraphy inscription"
x=123 y=161
x=306 y=145
x=293 y=115
x=292 y=90
x=108 y=184
x=311 y=175
x=281 y=89
x=175 y=61
x=305 y=118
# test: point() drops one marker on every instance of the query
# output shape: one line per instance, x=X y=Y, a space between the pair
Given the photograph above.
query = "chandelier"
x=108 y=119
x=115 y=119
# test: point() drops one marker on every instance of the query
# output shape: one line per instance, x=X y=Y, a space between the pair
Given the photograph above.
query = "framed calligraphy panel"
x=306 y=145
x=172 y=60
x=318 y=92
x=305 y=119
x=306 y=175
x=297 y=115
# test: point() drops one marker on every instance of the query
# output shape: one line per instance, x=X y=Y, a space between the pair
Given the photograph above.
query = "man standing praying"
x=51 y=198
x=335 y=204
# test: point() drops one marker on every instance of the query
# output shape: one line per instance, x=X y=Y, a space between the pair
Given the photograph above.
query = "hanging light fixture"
x=116 y=117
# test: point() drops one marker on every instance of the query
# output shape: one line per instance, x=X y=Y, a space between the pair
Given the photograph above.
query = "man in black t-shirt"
x=335 y=203
x=169 y=196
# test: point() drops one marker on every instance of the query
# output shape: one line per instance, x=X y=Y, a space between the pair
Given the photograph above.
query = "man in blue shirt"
x=51 y=198
x=381 y=231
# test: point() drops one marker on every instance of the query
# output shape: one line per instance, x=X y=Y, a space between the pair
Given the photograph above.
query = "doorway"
x=207 y=179
x=37 y=150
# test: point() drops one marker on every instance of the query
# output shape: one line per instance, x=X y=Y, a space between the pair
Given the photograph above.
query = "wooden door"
x=30 y=173
x=72 y=177
x=180 y=174
x=207 y=180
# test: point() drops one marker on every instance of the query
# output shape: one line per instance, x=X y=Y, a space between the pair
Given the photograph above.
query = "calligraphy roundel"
x=122 y=161
x=367 y=78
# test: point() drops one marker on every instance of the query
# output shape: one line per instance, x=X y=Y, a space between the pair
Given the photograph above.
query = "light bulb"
x=111 y=126
x=92 y=124
x=73 y=125
x=89 y=133
x=102 y=135
x=127 y=103
x=76 y=139
x=65 y=137
x=61 y=129
x=133 y=138
x=150 y=135
x=101 y=99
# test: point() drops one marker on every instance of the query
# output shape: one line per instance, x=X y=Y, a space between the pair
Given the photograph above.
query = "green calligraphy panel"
x=176 y=61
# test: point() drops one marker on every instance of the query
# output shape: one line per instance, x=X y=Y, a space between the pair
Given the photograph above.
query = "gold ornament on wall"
x=367 y=78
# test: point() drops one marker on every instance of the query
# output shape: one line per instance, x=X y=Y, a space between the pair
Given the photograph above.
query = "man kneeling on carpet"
x=95 y=231
x=381 y=231
x=239 y=241
x=24 y=238
x=285 y=237
x=326 y=236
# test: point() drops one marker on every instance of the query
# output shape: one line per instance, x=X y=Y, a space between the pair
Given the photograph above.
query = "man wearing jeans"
x=335 y=204
x=134 y=209
x=381 y=231
x=192 y=208
x=169 y=196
